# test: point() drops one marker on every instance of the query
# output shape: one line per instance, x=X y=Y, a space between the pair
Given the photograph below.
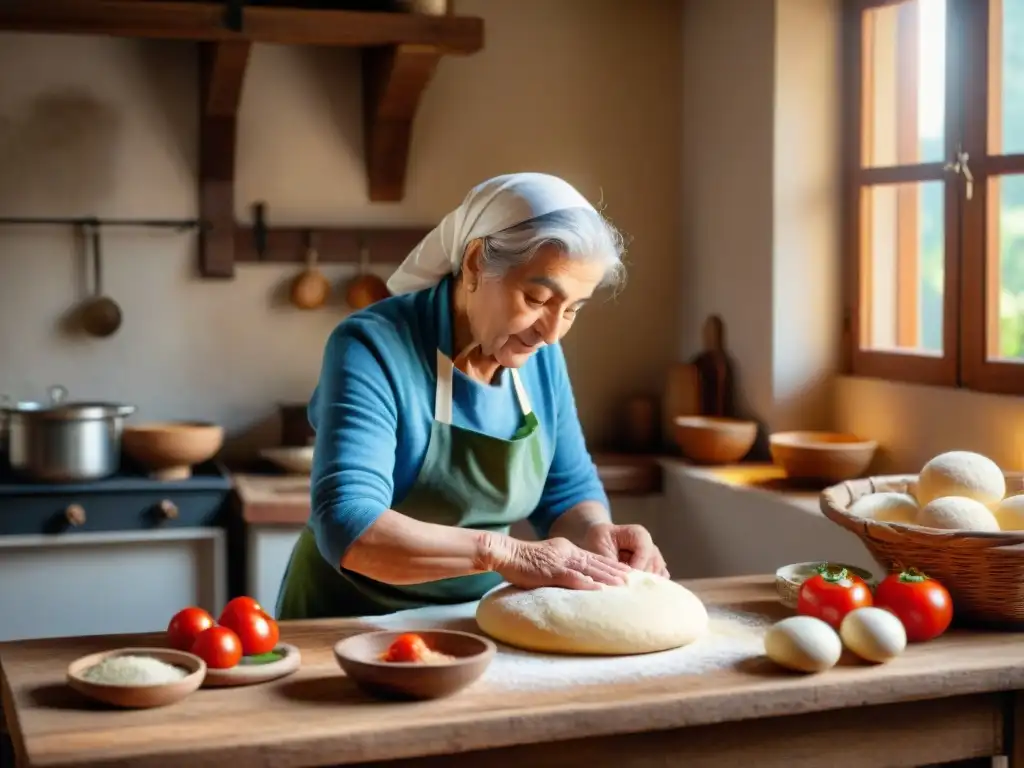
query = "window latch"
x=960 y=166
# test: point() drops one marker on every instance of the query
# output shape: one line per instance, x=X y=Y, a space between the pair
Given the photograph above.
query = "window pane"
x=1006 y=76
x=902 y=267
x=1005 y=241
x=904 y=83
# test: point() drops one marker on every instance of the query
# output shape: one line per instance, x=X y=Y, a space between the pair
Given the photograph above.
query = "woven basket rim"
x=835 y=500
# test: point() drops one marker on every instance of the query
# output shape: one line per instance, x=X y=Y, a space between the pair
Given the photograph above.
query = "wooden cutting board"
x=682 y=397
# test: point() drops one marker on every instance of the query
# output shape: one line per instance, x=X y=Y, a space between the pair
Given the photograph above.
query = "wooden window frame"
x=970 y=269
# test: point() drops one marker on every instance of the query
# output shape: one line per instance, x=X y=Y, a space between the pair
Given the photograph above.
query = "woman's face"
x=532 y=305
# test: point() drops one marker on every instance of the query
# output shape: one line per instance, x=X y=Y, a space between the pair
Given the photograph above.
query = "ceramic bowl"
x=714 y=440
x=828 y=457
x=139 y=696
x=789 y=579
x=297 y=460
x=359 y=657
x=169 y=449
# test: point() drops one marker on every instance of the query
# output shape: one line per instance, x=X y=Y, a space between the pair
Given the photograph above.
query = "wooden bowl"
x=828 y=457
x=359 y=657
x=714 y=440
x=138 y=696
x=168 y=450
x=789 y=579
x=295 y=459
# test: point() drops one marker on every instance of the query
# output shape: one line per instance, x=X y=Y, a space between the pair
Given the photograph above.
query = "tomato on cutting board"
x=219 y=647
x=406 y=648
x=920 y=602
x=257 y=632
x=185 y=627
x=831 y=594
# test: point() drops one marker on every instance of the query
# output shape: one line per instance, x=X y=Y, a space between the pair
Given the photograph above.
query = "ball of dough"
x=1009 y=513
x=957 y=513
x=874 y=634
x=803 y=644
x=961 y=473
x=648 y=613
x=887 y=507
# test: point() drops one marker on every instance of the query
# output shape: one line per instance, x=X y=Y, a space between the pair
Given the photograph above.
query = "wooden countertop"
x=279 y=499
x=316 y=717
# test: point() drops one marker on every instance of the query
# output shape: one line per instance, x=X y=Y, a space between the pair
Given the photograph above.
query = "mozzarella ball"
x=887 y=507
x=961 y=473
x=1009 y=513
x=874 y=634
x=803 y=644
x=958 y=514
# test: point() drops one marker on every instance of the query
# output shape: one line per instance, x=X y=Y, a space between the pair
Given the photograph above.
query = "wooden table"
x=952 y=699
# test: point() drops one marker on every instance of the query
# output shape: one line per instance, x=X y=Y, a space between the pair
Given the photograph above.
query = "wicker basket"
x=984 y=572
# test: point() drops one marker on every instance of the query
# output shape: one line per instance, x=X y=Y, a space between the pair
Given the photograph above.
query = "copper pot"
x=366 y=288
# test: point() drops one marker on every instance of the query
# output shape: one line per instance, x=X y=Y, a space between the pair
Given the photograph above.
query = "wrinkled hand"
x=629 y=544
x=558 y=563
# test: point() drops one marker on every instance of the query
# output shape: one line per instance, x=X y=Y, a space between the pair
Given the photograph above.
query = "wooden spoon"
x=101 y=316
x=311 y=288
x=366 y=288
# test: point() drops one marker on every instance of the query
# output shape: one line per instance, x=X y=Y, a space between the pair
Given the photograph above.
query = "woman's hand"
x=629 y=544
x=557 y=563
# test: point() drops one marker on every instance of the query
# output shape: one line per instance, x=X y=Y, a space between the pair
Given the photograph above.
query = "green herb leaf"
x=263 y=658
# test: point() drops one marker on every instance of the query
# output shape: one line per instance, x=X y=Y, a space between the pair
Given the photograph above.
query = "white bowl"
x=297 y=460
x=789 y=578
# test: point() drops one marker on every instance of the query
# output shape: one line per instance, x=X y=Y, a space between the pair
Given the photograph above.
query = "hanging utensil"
x=311 y=288
x=101 y=316
x=366 y=288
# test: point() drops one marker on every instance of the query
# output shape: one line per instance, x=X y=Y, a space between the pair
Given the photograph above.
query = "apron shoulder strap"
x=444 y=391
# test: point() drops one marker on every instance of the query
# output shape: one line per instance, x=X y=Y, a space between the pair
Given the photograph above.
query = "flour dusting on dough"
x=731 y=637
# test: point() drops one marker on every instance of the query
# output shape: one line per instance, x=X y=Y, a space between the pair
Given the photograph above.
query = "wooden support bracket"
x=401 y=52
x=394 y=78
x=222 y=72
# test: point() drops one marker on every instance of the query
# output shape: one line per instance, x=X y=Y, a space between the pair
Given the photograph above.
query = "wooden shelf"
x=205 y=22
x=333 y=244
x=401 y=52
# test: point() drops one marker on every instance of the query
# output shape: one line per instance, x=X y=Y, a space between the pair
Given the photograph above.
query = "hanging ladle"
x=101 y=316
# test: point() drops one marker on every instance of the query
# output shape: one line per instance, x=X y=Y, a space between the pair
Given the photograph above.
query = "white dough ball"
x=887 y=507
x=874 y=634
x=1009 y=513
x=958 y=514
x=961 y=473
x=803 y=644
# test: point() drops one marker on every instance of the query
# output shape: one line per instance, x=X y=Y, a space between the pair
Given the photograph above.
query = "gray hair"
x=578 y=232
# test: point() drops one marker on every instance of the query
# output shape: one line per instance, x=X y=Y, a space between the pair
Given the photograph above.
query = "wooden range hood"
x=400 y=53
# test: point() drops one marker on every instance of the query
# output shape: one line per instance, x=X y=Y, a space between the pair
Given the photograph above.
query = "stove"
x=127 y=501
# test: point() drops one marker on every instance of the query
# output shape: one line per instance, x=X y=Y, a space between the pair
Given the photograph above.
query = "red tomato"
x=219 y=647
x=240 y=605
x=186 y=625
x=831 y=594
x=921 y=603
x=409 y=647
x=258 y=632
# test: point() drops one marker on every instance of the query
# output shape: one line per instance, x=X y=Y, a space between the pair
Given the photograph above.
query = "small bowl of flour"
x=137 y=678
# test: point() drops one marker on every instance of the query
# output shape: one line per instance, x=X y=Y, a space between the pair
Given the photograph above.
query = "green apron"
x=467 y=480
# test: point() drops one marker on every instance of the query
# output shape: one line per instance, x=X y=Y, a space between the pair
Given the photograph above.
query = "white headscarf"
x=490 y=207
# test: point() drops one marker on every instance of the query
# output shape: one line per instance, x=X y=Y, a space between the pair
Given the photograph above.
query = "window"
x=934 y=229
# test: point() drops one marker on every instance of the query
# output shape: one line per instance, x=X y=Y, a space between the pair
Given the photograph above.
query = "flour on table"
x=731 y=637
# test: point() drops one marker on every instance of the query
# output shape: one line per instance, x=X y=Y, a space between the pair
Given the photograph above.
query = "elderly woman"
x=444 y=414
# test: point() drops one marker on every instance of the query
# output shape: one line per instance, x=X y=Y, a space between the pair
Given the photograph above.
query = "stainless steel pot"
x=66 y=441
